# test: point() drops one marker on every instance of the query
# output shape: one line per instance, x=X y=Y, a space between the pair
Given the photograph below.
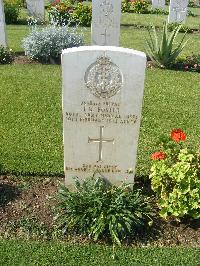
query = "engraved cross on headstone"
x=100 y=140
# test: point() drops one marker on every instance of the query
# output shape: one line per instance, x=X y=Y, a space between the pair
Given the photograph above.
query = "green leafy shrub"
x=82 y=15
x=162 y=51
x=175 y=177
x=99 y=209
x=6 y=55
x=46 y=45
x=158 y=11
x=126 y=7
x=140 y=6
x=11 y=9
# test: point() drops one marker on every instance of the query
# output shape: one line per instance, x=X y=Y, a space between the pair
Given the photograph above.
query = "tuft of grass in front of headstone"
x=99 y=210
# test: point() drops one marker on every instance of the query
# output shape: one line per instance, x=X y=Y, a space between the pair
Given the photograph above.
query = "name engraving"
x=101 y=112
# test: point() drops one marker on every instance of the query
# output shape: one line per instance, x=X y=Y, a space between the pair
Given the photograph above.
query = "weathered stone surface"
x=36 y=8
x=102 y=103
x=177 y=11
x=158 y=3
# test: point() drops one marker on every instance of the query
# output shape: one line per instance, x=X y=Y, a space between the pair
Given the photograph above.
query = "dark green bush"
x=99 y=209
x=182 y=28
x=6 y=55
x=82 y=15
x=126 y=7
x=158 y=11
x=11 y=9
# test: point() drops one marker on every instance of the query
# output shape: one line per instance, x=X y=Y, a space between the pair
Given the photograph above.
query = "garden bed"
x=26 y=211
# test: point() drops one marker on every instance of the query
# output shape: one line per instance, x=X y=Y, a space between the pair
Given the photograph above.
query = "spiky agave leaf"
x=162 y=52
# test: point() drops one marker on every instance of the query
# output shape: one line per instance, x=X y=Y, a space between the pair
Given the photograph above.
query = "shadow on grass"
x=8 y=193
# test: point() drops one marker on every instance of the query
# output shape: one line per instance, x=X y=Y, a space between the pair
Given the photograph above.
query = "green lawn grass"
x=31 y=119
x=15 y=35
x=38 y=253
x=156 y=20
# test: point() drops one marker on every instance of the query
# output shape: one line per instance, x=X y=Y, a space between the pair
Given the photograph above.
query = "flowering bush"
x=66 y=12
x=46 y=44
x=190 y=63
x=175 y=177
x=139 y=6
x=6 y=55
x=60 y=12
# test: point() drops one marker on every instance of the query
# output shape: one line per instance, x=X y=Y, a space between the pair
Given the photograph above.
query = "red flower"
x=178 y=135
x=158 y=155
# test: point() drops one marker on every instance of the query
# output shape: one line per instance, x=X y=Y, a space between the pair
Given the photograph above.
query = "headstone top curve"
x=104 y=49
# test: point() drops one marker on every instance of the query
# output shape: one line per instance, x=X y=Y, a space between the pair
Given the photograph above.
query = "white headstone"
x=36 y=9
x=106 y=16
x=177 y=11
x=102 y=103
x=158 y=3
x=2 y=25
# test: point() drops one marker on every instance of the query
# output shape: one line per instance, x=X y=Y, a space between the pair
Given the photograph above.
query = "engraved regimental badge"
x=103 y=78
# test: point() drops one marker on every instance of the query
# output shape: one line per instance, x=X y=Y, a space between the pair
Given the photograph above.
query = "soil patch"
x=23 y=59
